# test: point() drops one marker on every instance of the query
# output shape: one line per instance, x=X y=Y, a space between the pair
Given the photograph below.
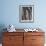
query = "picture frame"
x=26 y=13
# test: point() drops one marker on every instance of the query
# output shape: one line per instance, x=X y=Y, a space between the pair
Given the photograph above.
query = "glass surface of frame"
x=26 y=13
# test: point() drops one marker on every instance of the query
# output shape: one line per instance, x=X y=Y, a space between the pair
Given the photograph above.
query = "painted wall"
x=10 y=13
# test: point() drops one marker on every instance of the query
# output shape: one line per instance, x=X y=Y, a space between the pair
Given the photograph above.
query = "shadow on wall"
x=2 y=26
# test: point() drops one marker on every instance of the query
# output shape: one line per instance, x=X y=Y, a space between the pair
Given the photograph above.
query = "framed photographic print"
x=26 y=13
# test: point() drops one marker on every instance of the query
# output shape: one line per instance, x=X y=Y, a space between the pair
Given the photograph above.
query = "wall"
x=10 y=13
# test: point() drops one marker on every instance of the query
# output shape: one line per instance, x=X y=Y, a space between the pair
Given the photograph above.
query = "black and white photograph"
x=26 y=13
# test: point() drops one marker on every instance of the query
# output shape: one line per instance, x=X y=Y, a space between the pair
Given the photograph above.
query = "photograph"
x=26 y=13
